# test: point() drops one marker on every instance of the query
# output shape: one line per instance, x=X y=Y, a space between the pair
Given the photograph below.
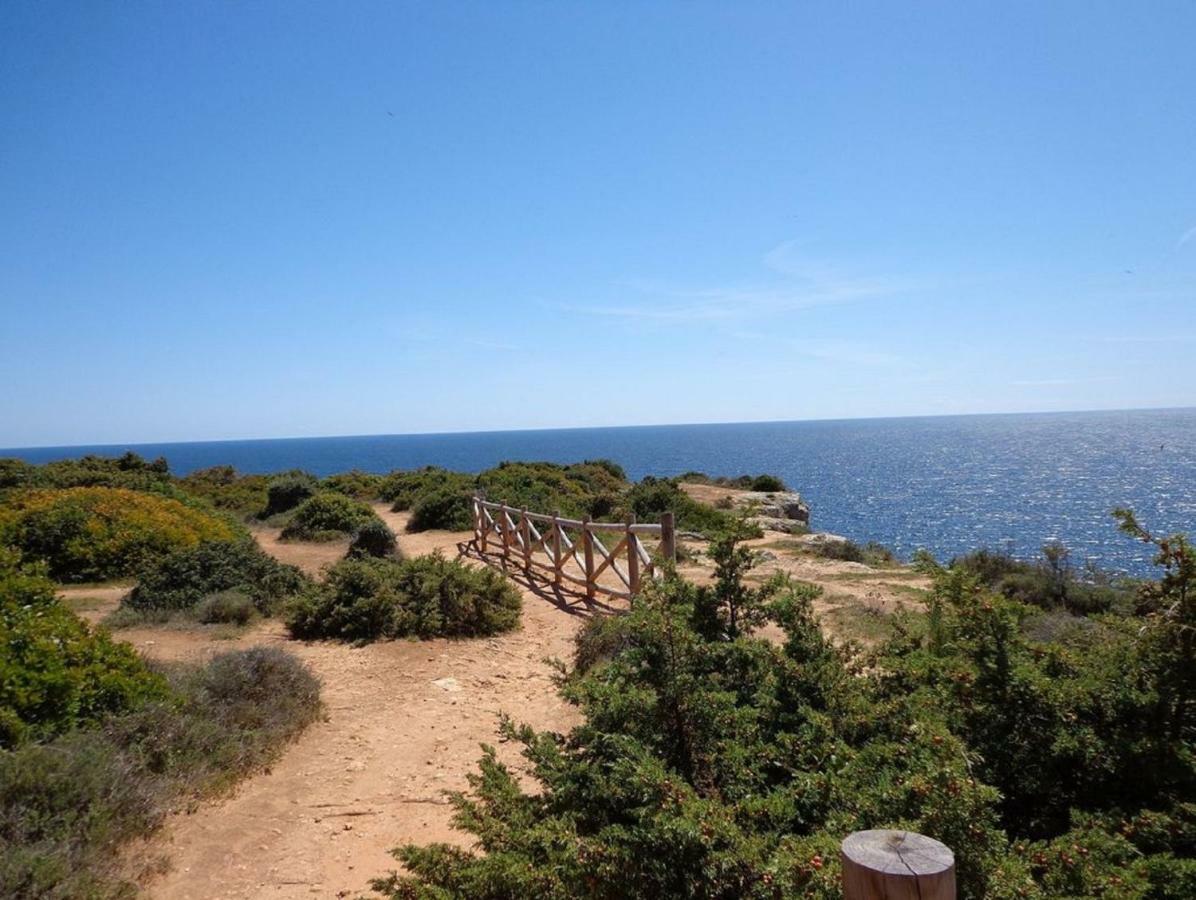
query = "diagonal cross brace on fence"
x=543 y=542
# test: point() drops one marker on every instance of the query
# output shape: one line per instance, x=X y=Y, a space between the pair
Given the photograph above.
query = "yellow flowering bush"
x=97 y=533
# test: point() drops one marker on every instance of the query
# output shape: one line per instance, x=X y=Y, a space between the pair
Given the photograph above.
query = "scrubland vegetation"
x=714 y=763
x=428 y=596
x=99 y=533
x=214 y=581
x=1035 y=716
x=97 y=746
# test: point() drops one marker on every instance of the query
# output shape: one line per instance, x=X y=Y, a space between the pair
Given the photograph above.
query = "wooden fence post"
x=587 y=543
x=483 y=533
x=668 y=537
x=633 y=557
x=896 y=865
x=556 y=547
x=504 y=519
x=525 y=535
x=478 y=518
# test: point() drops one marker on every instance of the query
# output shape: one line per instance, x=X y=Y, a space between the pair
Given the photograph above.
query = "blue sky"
x=225 y=220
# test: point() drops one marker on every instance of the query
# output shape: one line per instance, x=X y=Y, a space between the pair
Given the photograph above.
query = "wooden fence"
x=572 y=550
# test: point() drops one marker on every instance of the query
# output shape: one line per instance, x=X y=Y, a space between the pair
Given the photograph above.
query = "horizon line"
x=330 y=437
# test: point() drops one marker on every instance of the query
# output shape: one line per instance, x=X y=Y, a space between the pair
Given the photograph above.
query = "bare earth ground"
x=404 y=723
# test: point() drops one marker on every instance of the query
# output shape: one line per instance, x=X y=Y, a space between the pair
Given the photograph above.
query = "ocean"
x=947 y=483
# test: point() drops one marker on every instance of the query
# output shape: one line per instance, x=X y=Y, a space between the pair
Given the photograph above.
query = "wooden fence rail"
x=573 y=550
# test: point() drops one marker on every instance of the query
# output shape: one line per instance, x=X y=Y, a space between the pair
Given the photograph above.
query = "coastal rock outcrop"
x=783 y=511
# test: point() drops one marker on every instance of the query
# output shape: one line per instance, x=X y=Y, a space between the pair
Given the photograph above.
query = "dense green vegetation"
x=768 y=484
x=57 y=673
x=870 y=554
x=1049 y=582
x=288 y=490
x=327 y=516
x=428 y=596
x=374 y=538
x=591 y=488
x=183 y=579
x=355 y=483
x=222 y=486
x=713 y=763
x=96 y=746
x=67 y=805
x=97 y=533
x=653 y=496
x=128 y=471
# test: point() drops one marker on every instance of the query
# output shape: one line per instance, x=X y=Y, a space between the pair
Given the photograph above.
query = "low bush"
x=56 y=671
x=427 y=596
x=444 y=509
x=98 y=533
x=374 y=538
x=181 y=579
x=286 y=491
x=327 y=516
x=577 y=490
x=68 y=805
x=224 y=488
x=129 y=471
x=769 y=484
x=1050 y=582
x=225 y=608
x=869 y=554
x=355 y=483
x=403 y=489
x=653 y=496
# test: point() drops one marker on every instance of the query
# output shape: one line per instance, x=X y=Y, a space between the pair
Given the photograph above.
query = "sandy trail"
x=404 y=723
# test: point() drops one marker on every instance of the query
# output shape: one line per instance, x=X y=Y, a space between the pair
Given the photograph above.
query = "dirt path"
x=405 y=720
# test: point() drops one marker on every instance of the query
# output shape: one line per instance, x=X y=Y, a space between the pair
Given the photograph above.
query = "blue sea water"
x=949 y=484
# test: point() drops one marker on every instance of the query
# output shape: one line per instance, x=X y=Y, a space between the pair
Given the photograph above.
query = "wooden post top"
x=897 y=864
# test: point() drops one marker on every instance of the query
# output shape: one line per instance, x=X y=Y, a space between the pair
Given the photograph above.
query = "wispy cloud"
x=1186 y=237
x=491 y=345
x=806 y=283
x=833 y=350
x=1062 y=382
x=1147 y=339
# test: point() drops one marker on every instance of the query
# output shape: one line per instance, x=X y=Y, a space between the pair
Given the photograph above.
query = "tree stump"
x=896 y=865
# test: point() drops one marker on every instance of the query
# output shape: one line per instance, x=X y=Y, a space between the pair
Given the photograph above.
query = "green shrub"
x=374 y=538
x=357 y=484
x=1050 y=582
x=769 y=484
x=97 y=533
x=404 y=489
x=224 y=488
x=445 y=509
x=575 y=490
x=129 y=471
x=653 y=496
x=225 y=608
x=286 y=491
x=327 y=516
x=15 y=473
x=183 y=578
x=67 y=806
x=56 y=672
x=428 y=596
x=870 y=554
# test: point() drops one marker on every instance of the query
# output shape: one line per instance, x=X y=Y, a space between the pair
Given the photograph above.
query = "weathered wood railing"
x=573 y=550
